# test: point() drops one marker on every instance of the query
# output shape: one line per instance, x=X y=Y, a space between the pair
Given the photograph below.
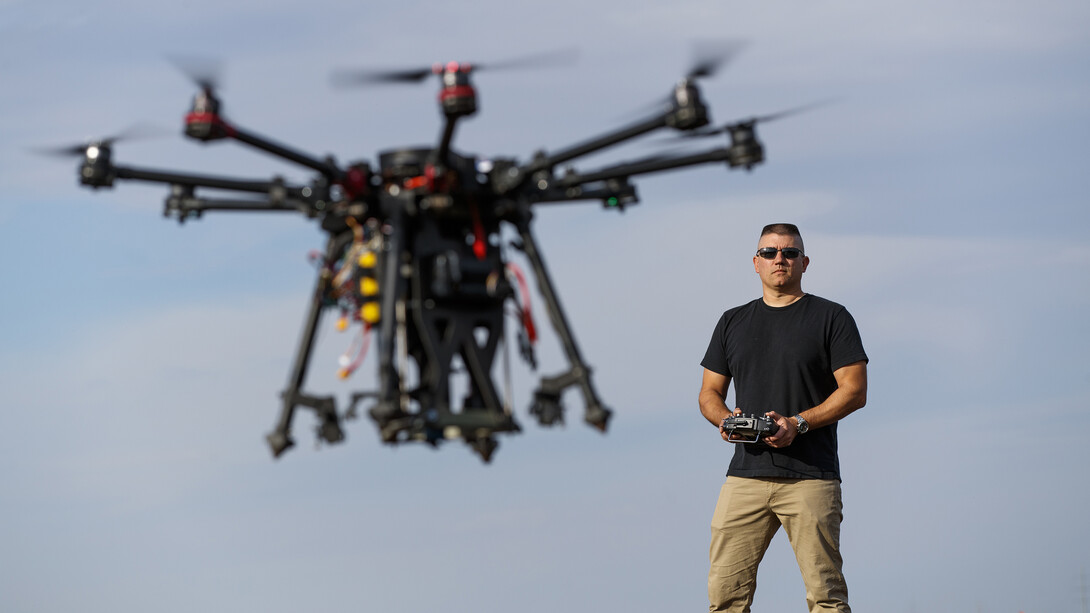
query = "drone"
x=414 y=253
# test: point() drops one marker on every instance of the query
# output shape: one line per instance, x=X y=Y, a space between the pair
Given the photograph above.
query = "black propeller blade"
x=705 y=132
x=561 y=57
x=129 y=134
x=351 y=77
x=348 y=78
x=710 y=56
x=204 y=72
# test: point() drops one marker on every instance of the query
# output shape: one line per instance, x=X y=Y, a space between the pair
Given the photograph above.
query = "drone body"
x=414 y=257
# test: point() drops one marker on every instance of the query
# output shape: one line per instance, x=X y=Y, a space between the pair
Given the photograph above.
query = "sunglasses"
x=769 y=253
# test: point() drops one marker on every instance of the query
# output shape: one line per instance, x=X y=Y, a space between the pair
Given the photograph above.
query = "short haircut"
x=788 y=229
x=785 y=229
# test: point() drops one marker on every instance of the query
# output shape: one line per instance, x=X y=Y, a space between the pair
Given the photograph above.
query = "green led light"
x=611 y=201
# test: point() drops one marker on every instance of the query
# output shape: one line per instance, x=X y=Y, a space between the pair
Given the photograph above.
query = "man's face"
x=780 y=273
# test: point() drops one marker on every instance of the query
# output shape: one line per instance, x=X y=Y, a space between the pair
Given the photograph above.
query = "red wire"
x=366 y=343
x=524 y=299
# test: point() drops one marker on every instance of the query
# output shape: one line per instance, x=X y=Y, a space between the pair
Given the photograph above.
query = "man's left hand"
x=785 y=435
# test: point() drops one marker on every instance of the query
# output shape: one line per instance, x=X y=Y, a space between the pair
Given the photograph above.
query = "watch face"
x=803 y=426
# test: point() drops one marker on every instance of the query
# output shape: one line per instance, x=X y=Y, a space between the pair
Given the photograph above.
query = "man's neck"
x=782 y=299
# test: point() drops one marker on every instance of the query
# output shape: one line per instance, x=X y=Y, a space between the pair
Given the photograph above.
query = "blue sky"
x=942 y=198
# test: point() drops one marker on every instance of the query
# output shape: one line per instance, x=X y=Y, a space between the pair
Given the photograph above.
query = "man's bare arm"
x=713 y=394
x=850 y=394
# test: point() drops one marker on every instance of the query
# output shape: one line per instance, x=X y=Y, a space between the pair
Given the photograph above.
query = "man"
x=797 y=359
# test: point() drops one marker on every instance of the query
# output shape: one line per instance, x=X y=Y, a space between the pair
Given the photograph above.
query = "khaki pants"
x=749 y=513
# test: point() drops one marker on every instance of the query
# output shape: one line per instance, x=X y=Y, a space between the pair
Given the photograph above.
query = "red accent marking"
x=479 y=246
x=429 y=174
x=478 y=241
x=528 y=323
x=354 y=183
x=415 y=182
x=461 y=91
x=364 y=345
x=439 y=181
x=211 y=118
x=524 y=293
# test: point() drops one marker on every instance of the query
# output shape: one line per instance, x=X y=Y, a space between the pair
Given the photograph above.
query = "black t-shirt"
x=782 y=359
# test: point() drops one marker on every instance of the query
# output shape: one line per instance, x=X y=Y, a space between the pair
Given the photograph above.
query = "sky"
x=942 y=197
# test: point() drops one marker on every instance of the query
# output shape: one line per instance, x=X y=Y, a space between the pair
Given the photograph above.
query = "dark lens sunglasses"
x=769 y=253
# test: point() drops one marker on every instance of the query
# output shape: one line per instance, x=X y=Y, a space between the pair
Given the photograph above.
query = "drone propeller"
x=710 y=56
x=136 y=132
x=705 y=132
x=351 y=77
x=204 y=72
x=560 y=57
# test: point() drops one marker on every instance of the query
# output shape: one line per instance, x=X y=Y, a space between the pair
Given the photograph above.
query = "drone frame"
x=439 y=272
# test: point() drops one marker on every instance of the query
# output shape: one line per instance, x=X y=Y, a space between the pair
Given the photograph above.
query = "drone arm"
x=596 y=144
x=650 y=165
x=686 y=112
x=611 y=185
x=326 y=167
x=182 y=204
x=444 y=143
x=157 y=176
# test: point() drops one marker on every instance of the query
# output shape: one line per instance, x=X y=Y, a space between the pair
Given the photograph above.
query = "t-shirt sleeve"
x=845 y=345
x=715 y=358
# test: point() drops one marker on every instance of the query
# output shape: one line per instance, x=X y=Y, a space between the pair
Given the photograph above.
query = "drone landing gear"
x=546 y=406
x=329 y=428
x=549 y=410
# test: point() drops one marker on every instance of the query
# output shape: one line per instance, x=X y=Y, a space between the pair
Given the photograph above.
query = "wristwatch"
x=803 y=426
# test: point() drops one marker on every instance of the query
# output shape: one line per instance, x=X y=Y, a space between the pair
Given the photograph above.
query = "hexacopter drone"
x=414 y=253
